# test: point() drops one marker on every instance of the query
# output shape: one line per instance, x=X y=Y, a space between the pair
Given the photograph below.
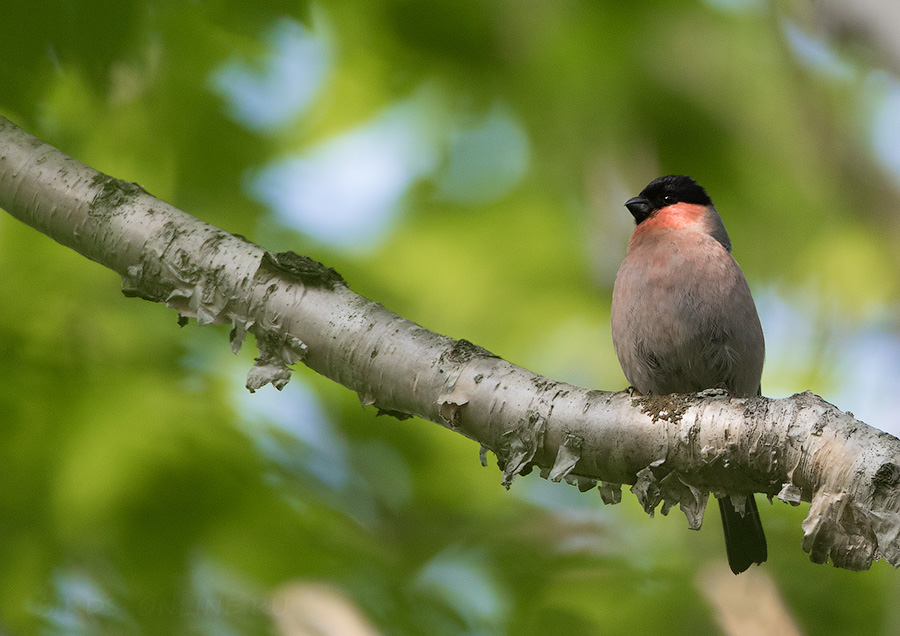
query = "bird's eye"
x=669 y=199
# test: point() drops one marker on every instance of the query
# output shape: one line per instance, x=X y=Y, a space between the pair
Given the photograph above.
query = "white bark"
x=673 y=449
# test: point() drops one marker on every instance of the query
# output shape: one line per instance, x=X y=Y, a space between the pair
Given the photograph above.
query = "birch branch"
x=673 y=450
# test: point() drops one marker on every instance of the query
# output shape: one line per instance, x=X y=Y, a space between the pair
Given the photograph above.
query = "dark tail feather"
x=745 y=541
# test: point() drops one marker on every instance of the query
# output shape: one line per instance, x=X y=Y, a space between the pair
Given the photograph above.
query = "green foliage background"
x=141 y=491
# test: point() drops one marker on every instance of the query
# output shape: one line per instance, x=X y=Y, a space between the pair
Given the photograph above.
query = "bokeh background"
x=465 y=164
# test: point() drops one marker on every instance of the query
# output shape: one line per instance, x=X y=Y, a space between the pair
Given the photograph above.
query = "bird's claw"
x=714 y=392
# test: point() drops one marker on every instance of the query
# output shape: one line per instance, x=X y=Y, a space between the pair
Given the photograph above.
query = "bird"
x=683 y=320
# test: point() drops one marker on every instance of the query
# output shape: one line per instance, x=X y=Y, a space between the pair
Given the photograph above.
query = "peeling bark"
x=673 y=450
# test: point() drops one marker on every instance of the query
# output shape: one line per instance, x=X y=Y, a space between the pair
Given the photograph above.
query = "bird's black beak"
x=639 y=207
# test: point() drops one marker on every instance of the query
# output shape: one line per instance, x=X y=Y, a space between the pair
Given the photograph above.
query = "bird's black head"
x=664 y=191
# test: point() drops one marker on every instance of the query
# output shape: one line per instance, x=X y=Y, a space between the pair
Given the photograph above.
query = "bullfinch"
x=683 y=320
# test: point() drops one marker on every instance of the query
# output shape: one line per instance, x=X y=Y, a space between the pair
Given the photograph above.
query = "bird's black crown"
x=664 y=191
x=674 y=188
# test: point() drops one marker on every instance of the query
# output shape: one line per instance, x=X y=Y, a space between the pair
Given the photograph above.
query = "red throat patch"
x=676 y=216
